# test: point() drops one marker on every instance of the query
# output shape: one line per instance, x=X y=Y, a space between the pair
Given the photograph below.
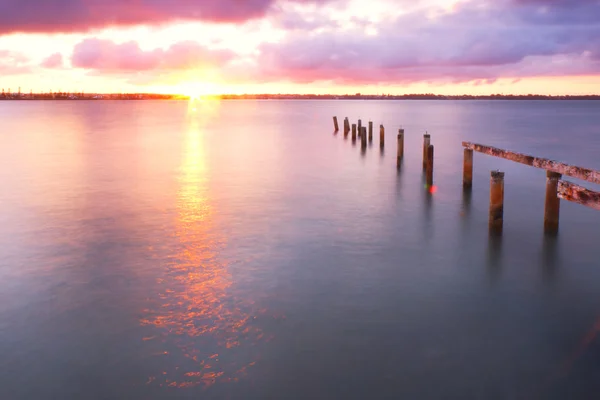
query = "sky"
x=201 y=47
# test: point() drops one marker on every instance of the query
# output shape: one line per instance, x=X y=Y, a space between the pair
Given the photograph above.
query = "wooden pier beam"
x=552 y=205
x=577 y=194
x=496 y=201
x=335 y=124
x=429 y=169
x=426 y=143
x=543 y=163
x=468 y=169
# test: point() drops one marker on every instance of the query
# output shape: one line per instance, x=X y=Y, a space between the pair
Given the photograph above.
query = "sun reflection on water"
x=198 y=314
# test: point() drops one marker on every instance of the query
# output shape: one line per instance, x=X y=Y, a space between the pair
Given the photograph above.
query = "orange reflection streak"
x=197 y=312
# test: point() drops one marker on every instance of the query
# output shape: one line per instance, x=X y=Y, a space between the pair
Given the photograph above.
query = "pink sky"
x=301 y=46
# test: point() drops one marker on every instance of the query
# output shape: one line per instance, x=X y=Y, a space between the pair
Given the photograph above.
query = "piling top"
x=401 y=130
x=426 y=136
x=497 y=175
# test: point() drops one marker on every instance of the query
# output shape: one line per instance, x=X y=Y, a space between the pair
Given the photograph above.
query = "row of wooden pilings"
x=359 y=131
x=496 y=209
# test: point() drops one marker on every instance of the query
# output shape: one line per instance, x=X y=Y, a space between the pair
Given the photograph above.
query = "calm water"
x=241 y=250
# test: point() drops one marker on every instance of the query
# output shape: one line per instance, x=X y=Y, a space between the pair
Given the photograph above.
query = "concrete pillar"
x=429 y=169
x=426 y=143
x=496 y=201
x=468 y=169
x=552 y=207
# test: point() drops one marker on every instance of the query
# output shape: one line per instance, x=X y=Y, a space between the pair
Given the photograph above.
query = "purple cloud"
x=53 y=61
x=107 y=56
x=82 y=15
x=13 y=63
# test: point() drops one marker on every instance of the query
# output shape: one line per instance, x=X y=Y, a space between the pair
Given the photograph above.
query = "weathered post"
x=552 y=207
x=363 y=137
x=353 y=131
x=346 y=126
x=400 y=144
x=426 y=143
x=496 y=201
x=370 y=131
x=429 y=169
x=359 y=127
x=335 y=124
x=468 y=169
x=381 y=136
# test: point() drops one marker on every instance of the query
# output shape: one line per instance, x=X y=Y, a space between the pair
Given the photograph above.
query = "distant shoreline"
x=150 y=96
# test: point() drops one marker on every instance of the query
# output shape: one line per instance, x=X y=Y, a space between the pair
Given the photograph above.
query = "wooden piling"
x=370 y=131
x=346 y=126
x=363 y=137
x=496 y=201
x=353 y=131
x=468 y=169
x=335 y=124
x=381 y=136
x=426 y=143
x=359 y=127
x=429 y=169
x=552 y=206
x=400 y=144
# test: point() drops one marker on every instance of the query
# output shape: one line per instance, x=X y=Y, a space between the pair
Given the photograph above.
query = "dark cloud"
x=82 y=15
x=107 y=56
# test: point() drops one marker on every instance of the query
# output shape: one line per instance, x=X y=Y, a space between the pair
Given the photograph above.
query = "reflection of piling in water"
x=496 y=202
x=552 y=207
x=494 y=256
x=335 y=124
x=429 y=169
x=426 y=143
x=468 y=169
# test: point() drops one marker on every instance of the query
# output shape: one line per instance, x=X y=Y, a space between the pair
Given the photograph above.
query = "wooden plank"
x=550 y=165
x=577 y=194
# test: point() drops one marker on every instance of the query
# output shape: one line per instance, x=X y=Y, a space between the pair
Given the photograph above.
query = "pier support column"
x=429 y=169
x=468 y=169
x=381 y=136
x=363 y=138
x=426 y=143
x=400 y=145
x=496 y=202
x=359 y=127
x=552 y=207
x=370 y=131
x=335 y=124
x=353 y=131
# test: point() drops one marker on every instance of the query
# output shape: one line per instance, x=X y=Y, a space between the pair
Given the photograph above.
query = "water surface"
x=242 y=250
